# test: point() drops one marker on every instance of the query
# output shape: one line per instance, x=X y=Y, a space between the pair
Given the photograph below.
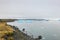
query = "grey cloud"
x=30 y=8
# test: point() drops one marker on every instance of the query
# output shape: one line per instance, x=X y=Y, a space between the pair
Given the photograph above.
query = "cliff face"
x=8 y=32
x=18 y=35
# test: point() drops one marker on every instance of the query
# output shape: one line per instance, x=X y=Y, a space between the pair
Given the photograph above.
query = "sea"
x=49 y=30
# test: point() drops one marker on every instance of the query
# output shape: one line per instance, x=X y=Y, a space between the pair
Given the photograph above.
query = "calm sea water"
x=49 y=30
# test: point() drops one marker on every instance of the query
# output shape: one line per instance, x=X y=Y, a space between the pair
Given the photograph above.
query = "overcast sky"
x=30 y=8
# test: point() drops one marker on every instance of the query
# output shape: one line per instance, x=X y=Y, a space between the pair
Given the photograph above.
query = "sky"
x=30 y=9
